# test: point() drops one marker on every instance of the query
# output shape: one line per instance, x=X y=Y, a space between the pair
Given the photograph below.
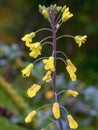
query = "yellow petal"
x=35 y=49
x=66 y=15
x=45 y=61
x=26 y=72
x=72 y=123
x=29 y=117
x=31 y=92
x=73 y=93
x=71 y=73
x=47 y=77
x=45 y=13
x=49 y=63
x=56 y=110
x=28 y=37
x=71 y=70
x=49 y=94
x=71 y=65
x=80 y=39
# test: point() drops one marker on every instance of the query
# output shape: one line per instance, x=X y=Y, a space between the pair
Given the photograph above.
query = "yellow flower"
x=80 y=39
x=49 y=63
x=29 y=117
x=35 y=49
x=71 y=65
x=47 y=77
x=26 y=72
x=71 y=70
x=73 y=93
x=66 y=15
x=28 y=38
x=49 y=94
x=31 y=92
x=56 y=110
x=45 y=13
x=72 y=123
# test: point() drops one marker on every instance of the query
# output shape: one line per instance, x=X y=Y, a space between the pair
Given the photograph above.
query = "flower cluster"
x=56 y=15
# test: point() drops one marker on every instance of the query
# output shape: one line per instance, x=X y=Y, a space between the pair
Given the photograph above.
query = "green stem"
x=61 y=92
x=63 y=54
x=64 y=36
x=45 y=114
x=49 y=37
x=43 y=107
x=64 y=109
x=43 y=29
x=54 y=55
x=46 y=43
x=59 y=58
x=39 y=59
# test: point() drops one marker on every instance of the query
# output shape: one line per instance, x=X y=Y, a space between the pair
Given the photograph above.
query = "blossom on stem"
x=73 y=93
x=71 y=69
x=35 y=49
x=28 y=37
x=80 y=39
x=56 y=110
x=72 y=123
x=29 y=117
x=49 y=94
x=45 y=13
x=49 y=63
x=31 y=92
x=47 y=77
x=66 y=15
x=26 y=72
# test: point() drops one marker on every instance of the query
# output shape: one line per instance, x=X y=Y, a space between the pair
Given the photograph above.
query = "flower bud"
x=45 y=13
x=26 y=72
x=56 y=110
x=80 y=39
x=73 y=93
x=72 y=123
x=66 y=15
x=29 y=117
x=31 y=92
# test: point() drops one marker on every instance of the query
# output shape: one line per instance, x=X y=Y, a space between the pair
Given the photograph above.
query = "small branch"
x=59 y=58
x=63 y=54
x=64 y=36
x=43 y=29
x=49 y=37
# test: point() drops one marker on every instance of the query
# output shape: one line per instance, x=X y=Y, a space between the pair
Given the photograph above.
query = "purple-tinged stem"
x=54 y=73
x=54 y=55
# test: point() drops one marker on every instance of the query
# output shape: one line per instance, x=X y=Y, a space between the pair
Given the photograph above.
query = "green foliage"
x=6 y=124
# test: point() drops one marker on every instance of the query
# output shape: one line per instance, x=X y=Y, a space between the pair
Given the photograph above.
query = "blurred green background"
x=22 y=16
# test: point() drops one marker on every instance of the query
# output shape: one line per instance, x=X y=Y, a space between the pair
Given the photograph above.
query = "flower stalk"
x=56 y=15
x=54 y=30
x=54 y=55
